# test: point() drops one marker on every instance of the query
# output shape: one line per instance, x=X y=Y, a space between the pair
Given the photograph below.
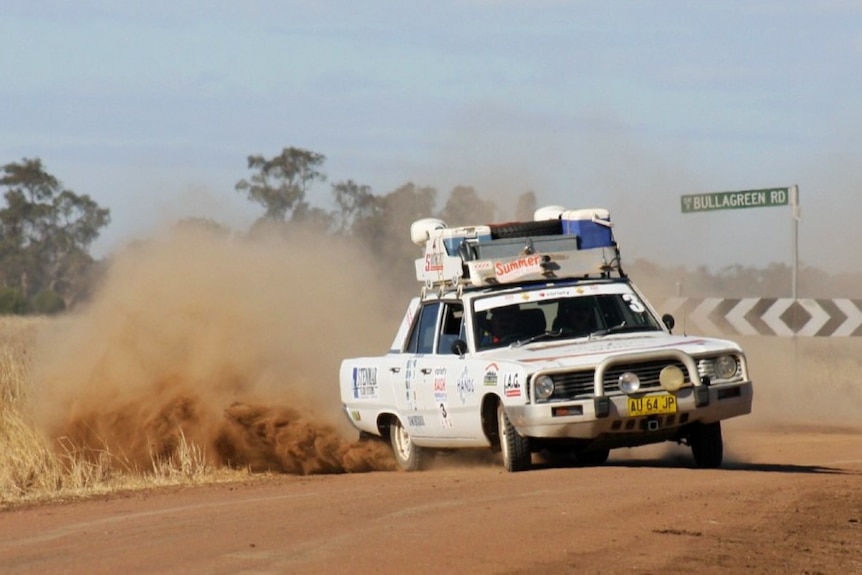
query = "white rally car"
x=529 y=337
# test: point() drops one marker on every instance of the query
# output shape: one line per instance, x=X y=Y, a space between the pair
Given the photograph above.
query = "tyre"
x=514 y=447
x=408 y=455
x=526 y=229
x=706 y=444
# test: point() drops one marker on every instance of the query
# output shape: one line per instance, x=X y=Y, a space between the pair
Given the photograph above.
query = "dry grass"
x=34 y=468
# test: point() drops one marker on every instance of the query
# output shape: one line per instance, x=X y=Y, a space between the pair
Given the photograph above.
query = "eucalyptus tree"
x=46 y=232
x=280 y=184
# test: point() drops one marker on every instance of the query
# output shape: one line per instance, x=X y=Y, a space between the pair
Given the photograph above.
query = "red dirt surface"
x=788 y=500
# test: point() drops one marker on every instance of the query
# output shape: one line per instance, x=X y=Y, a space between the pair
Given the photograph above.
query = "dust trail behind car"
x=231 y=344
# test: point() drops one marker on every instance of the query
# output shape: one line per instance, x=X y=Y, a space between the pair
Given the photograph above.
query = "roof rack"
x=558 y=243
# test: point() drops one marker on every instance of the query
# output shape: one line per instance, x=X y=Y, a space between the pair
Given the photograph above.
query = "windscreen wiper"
x=620 y=328
x=537 y=337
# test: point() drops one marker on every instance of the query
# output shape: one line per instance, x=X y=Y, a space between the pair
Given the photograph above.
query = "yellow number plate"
x=652 y=404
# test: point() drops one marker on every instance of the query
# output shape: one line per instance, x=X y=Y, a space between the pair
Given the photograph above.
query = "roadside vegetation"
x=31 y=469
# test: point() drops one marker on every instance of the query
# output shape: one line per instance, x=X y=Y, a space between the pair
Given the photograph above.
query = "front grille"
x=580 y=384
x=647 y=372
x=573 y=384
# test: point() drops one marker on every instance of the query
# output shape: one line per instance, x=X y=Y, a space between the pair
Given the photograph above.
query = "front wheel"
x=706 y=444
x=514 y=447
x=408 y=454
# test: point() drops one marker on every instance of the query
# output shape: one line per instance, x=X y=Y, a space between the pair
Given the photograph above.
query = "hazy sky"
x=152 y=108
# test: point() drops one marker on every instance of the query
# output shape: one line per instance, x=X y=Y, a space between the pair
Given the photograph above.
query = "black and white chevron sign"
x=767 y=316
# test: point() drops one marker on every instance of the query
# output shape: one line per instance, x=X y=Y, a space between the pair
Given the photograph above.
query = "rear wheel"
x=409 y=455
x=514 y=447
x=706 y=444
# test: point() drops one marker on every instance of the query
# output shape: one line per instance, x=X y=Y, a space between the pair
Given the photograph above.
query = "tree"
x=11 y=301
x=45 y=232
x=464 y=207
x=525 y=206
x=313 y=218
x=280 y=183
x=385 y=230
x=354 y=202
x=203 y=225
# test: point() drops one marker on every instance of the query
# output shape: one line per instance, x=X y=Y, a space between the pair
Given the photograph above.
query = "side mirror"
x=668 y=320
x=459 y=347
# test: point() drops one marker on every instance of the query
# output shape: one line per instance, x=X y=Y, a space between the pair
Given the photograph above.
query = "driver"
x=503 y=324
x=576 y=316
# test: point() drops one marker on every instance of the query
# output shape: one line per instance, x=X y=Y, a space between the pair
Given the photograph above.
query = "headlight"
x=629 y=382
x=725 y=366
x=671 y=378
x=544 y=387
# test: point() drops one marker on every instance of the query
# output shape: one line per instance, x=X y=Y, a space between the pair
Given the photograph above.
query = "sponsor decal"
x=410 y=385
x=434 y=259
x=465 y=386
x=490 y=377
x=508 y=271
x=441 y=397
x=512 y=384
x=365 y=382
x=433 y=263
x=440 y=394
x=416 y=421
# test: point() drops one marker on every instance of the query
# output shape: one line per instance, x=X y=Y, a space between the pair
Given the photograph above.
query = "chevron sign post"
x=785 y=317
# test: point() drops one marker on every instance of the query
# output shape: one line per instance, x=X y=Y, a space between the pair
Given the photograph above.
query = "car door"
x=462 y=392
x=434 y=388
x=413 y=379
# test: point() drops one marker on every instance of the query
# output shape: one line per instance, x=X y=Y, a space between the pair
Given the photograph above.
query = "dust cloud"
x=799 y=382
x=808 y=382
x=228 y=344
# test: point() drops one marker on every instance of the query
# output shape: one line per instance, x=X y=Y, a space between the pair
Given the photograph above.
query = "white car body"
x=627 y=382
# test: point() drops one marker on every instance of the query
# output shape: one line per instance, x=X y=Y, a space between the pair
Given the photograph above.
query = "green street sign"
x=767 y=198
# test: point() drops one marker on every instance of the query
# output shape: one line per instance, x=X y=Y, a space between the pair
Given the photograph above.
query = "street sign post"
x=763 y=198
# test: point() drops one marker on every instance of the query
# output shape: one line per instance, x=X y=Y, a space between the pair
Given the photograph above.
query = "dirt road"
x=787 y=501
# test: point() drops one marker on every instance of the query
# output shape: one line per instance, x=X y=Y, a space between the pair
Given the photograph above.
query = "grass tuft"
x=34 y=468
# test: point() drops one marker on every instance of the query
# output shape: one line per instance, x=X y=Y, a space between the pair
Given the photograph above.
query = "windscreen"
x=559 y=313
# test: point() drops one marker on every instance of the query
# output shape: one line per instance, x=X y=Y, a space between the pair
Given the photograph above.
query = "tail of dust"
x=230 y=344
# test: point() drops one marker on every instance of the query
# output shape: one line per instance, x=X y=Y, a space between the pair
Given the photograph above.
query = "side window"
x=452 y=328
x=424 y=330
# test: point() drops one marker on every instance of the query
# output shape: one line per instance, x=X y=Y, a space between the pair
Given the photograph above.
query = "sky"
x=152 y=108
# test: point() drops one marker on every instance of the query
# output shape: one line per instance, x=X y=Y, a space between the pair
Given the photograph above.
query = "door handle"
x=425 y=370
x=395 y=369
